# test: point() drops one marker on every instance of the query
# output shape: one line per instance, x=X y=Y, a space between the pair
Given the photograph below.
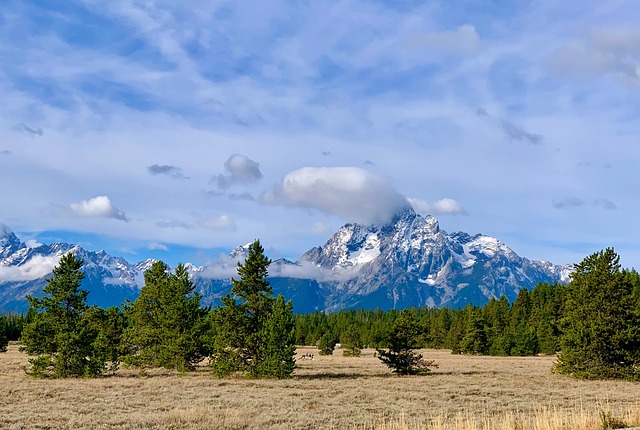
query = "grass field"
x=335 y=392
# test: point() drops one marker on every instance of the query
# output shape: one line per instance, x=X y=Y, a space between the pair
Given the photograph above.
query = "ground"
x=463 y=393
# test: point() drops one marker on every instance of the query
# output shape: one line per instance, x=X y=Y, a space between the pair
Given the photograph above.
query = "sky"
x=180 y=130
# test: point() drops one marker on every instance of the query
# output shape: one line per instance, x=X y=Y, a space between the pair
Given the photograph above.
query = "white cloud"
x=155 y=246
x=34 y=268
x=351 y=193
x=32 y=243
x=445 y=206
x=242 y=170
x=97 y=207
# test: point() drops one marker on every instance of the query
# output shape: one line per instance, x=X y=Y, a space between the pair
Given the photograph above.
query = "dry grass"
x=464 y=393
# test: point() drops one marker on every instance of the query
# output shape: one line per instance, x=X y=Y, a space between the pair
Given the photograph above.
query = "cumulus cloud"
x=570 y=202
x=241 y=170
x=97 y=207
x=34 y=268
x=444 y=206
x=351 y=193
x=463 y=40
x=517 y=133
x=174 y=224
x=167 y=170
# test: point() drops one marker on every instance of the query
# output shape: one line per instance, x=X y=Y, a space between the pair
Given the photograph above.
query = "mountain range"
x=407 y=262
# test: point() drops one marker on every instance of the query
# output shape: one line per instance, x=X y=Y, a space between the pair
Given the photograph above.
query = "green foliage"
x=277 y=338
x=166 y=323
x=59 y=332
x=254 y=333
x=327 y=343
x=401 y=356
x=351 y=343
x=601 y=325
x=4 y=339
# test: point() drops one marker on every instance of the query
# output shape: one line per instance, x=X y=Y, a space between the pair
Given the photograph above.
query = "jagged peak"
x=5 y=230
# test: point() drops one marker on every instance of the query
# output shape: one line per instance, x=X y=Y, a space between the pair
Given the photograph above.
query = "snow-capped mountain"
x=407 y=262
x=23 y=270
x=411 y=262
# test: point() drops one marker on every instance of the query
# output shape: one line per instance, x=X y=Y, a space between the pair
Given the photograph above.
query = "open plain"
x=334 y=392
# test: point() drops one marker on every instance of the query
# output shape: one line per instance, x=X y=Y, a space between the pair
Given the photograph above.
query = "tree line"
x=592 y=323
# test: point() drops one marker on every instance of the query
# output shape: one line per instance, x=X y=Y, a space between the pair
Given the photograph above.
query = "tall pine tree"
x=166 y=322
x=254 y=333
x=601 y=325
x=58 y=333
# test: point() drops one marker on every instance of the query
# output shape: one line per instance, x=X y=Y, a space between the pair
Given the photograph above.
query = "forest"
x=593 y=323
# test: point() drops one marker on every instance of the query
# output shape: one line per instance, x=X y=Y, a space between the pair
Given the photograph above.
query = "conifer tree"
x=4 y=339
x=277 y=338
x=327 y=343
x=351 y=343
x=401 y=356
x=58 y=332
x=254 y=332
x=601 y=326
x=166 y=322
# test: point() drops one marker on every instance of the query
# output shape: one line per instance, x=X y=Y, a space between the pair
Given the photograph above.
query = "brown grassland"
x=329 y=392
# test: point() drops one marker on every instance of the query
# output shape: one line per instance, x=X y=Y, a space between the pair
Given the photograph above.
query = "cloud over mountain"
x=350 y=193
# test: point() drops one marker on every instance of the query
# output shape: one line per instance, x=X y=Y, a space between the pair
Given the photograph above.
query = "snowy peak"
x=240 y=252
x=9 y=242
x=412 y=262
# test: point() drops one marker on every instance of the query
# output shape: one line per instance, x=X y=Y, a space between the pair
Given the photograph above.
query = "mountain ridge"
x=407 y=262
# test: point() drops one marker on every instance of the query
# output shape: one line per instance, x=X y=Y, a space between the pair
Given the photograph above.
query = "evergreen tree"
x=351 y=343
x=474 y=340
x=327 y=343
x=401 y=356
x=58 y=332
x=166 y=322
x=252 y=333
x=601 y=326
x=277 y=338
x=4 y=339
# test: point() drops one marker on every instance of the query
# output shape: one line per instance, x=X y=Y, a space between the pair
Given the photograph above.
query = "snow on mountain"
x=407 y=262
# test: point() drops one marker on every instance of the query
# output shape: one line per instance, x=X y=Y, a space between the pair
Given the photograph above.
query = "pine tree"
x=166 y=322
x=277 y=338
x=351 y=343
x=474 y=340
x=327 y=343
x=4 y=339
x=59 y=333
x=601 y=327
x=401 y=356
x=252 y=330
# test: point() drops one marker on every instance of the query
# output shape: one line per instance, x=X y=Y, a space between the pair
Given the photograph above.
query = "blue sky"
x=179 y=130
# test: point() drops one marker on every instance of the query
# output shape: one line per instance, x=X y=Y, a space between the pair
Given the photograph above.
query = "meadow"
x=328 y=392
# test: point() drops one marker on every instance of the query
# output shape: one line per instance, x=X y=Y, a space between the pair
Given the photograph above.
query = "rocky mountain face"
x=407 y=262
x=411 y=262
x=23 y=270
